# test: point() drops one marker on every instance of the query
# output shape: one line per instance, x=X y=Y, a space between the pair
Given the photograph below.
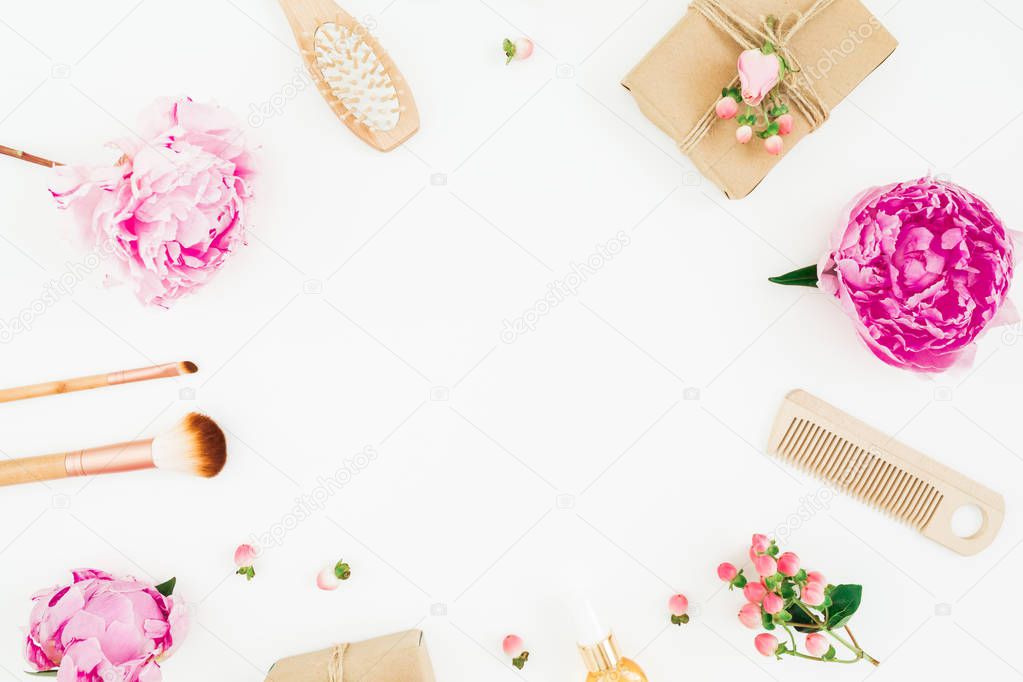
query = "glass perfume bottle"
x=600 y=653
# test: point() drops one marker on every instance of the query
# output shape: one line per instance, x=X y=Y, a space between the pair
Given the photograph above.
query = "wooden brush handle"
x=33 y=469
x=25 y=156
x=53 y=388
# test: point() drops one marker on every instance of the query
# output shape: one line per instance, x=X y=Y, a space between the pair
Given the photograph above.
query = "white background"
x=366 y=313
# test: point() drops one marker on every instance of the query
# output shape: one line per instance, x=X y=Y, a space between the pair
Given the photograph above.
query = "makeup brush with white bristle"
x=195 y=445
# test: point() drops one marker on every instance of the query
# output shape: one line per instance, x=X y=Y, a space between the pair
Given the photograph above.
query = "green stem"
x=822 y=660
x=860 y=653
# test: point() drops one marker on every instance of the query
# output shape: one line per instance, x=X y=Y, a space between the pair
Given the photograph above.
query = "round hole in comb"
x=967 y=521
x=356 y=76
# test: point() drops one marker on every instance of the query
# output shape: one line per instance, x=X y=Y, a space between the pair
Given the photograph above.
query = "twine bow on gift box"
x=778 y=32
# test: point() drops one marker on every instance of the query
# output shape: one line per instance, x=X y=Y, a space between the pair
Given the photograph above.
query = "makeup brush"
x=171 y=369
x=195 y=445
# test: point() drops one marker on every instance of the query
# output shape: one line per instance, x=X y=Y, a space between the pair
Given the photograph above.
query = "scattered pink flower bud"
x=765 y=564
x=788 y=564
x=727 y=572
x=773 y=603
x=749 y=615
x=244 y=558
x=679 y=607
x=726 y=108
x=521 y=48
x=773 y=145
x=812 y=594
x=817 y=644
x=816 y=577
x=326 y=580
x=514 y=646
x=785 y=122
x=766 y=643
x=743 y=134
x=760 y=543
x=754 y=592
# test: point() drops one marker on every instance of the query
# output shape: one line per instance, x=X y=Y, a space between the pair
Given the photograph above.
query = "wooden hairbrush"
x=354 y=73
x=867 y=464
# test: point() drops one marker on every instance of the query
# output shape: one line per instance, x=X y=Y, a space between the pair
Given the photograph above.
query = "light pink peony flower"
x=102 y=627
x=171 y=211
x=758 y=74
x=922 y=268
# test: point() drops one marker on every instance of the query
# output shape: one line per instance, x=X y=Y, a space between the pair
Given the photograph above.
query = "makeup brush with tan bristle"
x=195 y=445
x=171 y=369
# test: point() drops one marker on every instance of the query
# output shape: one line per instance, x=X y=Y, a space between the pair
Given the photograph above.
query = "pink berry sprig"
x=514 y=647
x=520 y=48
x=678 y=607
x=789 y=598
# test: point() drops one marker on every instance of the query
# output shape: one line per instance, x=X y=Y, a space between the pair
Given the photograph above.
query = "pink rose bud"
x=727 y=572
x=749 y=615
x=678 y=605
x=513 y=646
x=784 y=122
x=812 y=594
x=726 y=108
x=758 y=74
x=765 y=564
x=788 y=564
x=326 y=580
x=817 y=644
x=773 y=145
x=760 y=543
x=816 y=577
x=773 y=603
x=244 y=558
x=743 y=134
x=766 y=643
x=754 y=592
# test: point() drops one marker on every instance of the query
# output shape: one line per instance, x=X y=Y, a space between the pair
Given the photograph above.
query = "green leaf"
x=783 y=616
x=167 y=588
x=803 y=277
x=845 y=600
x=799 y=616
x=801 y=576
x=738 y=581
x=766 y=620
x=41 y=673
x=829 y=655
x=787 y=591
x=509 y=50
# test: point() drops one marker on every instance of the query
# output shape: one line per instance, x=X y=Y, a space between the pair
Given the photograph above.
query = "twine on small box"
x=779 y=32
x=336 y=665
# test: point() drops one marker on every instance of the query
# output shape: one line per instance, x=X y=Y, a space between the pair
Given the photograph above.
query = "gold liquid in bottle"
x=605 y=663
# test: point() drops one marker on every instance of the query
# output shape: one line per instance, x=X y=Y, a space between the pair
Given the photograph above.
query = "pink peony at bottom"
x=102 y=628
x=922 y=268
x=170 y=212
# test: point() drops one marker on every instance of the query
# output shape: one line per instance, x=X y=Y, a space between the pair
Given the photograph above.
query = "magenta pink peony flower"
x=922 y=268
x=101 y=628
x=173 y=208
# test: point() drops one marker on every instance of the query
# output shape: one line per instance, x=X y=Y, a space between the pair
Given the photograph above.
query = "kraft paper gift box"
x=681 y=78
x=400 y=657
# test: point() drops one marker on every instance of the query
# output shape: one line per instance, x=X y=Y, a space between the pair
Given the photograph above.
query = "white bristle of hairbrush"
x=195 y=445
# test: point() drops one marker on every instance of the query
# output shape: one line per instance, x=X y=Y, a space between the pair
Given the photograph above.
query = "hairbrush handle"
x=105 y=459
x=171 y=369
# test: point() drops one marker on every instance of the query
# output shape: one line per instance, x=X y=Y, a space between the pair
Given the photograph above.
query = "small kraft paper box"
x=400 y=657
x=676 y=85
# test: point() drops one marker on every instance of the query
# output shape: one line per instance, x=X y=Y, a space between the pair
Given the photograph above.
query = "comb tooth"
x=873 y=487
x=795 y=448
x=870 y=465
x=816 y=452
x=827 y=456
x=907 y=492
x=803 y=448
x=836 y=464
x=785 y=444
x=890 y=491
x=932 y=507
x=922 y=505
x=857 y=459
x=908 y=509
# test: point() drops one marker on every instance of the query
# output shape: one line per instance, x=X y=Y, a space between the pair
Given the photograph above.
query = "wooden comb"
x=353 y=73
x=867 y=464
